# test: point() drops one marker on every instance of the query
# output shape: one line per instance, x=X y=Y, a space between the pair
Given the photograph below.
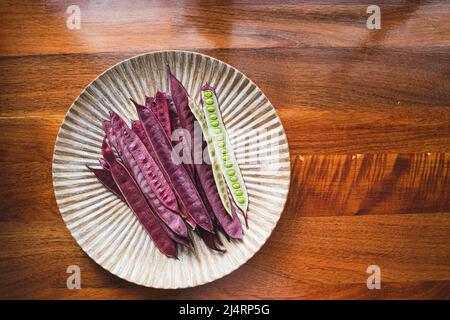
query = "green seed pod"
x=216 y=162
x=222 y=145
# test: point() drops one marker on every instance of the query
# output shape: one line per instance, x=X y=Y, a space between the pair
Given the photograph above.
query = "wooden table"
x=366 y=112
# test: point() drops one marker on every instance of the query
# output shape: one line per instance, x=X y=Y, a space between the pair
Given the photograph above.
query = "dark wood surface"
x=366 y=112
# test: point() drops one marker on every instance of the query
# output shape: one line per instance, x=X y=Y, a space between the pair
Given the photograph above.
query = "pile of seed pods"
x=174 y=200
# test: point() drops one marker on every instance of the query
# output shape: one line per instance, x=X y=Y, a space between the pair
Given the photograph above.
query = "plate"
x=107 y=230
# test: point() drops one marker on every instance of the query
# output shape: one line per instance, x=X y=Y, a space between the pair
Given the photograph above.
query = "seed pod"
x=173 y=114
x=139 y=130
x=145 y=162
x=186 y=119
x=103 y=163
x=215 y=187
x=175 y=173
x=136 y=201
x=145 y=173
x=209 y=240
x=106 y=179
x=211 y=171
x=162 y=113
x=222 y=145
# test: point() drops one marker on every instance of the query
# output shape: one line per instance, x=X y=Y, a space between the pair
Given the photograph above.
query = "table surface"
x=366 y=112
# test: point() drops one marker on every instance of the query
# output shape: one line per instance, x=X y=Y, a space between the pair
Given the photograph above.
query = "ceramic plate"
x=107 y=230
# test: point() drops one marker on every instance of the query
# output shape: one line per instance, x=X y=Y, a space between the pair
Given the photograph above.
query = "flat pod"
x=215 y=187
x=173 y=114
x=186 y=119
x=103 y=163
x=106 y=179
x=183 y=240
x=107 y=129
x=146 y=163
x=231 y=225
x=220 y=183
x=209 y=239
x=138 y=129
x=136 y=157
x=150 y=103
x=221 y=143
x=162 y=113
x=136 y=201
x=176 y=173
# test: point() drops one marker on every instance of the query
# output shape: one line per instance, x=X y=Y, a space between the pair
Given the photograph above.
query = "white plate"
x=107 y=230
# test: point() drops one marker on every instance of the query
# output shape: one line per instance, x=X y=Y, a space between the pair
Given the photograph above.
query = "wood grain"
x=314 y=91
x=367 y=115
x=327 y=258
x=199 y=24
x=361 y=184
x=321 y=185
